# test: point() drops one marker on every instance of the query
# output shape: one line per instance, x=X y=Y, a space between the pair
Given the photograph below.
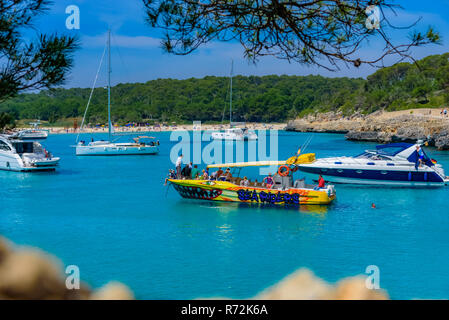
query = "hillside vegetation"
x=255 y=99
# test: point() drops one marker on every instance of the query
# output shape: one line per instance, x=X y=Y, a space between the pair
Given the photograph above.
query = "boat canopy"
x=392 y=149
x=247 y=164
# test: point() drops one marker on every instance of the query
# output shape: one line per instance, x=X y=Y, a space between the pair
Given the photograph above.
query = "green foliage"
x=255 y=99
x=26 y=64
x=6 y=121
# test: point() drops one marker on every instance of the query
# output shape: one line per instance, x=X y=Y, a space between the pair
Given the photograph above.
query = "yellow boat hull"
x=226 y=191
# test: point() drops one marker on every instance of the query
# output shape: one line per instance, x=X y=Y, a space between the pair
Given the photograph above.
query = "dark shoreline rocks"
x=380 y=127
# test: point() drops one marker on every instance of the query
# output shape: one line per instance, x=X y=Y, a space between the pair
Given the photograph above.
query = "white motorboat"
x=32 y=134
x=233 y=133
x=25 y=155
x=140 y=145
x=401 y=164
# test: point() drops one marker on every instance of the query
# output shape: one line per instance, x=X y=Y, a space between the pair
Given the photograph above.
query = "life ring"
x=284 y=173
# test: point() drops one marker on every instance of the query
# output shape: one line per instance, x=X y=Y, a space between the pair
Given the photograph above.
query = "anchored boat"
x=400 y=164
x=20 y=155
x=285 y=189
x=140 y=145
x=233 y=133
x=32 y=134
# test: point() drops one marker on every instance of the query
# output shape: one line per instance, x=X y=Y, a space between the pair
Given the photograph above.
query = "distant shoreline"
x=382 y=127
x=153 y=129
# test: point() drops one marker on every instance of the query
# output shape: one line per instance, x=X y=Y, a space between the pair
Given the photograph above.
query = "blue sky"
x=137 y=56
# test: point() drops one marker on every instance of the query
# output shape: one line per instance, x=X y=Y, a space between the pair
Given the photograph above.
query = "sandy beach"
x=163 y=128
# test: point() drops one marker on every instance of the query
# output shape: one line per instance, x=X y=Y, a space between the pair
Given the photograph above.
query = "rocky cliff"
x=383 y=127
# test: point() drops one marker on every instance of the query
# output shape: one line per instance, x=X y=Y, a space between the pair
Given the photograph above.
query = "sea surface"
x=114 y=218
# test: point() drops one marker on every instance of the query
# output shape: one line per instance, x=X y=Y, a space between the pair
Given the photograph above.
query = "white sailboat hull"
x=115 y=149
x=234 y=134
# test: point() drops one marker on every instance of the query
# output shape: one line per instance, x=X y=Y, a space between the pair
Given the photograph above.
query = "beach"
x=162 y=128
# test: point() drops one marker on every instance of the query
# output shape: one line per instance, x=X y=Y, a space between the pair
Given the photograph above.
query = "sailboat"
x=233 y=132
x=142 y=145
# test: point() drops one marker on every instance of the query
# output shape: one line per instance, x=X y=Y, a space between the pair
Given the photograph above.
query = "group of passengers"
x=191 y=171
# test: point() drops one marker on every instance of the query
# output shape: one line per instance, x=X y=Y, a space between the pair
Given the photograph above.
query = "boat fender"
x=409 y=176
x=284 y=171
x=425 y=176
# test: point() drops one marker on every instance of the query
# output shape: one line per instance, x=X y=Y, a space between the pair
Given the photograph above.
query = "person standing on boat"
x=420 y=157
x=178 y=166
x=195 y=172
x=269 y=181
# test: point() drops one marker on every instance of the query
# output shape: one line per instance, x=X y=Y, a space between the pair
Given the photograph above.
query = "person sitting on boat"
x=227 y=176
x=420 y=157
x=244 y=182
x=171 y=175
x=219 y=173
x=268 y=181
x=204 y=175
x=321 y=182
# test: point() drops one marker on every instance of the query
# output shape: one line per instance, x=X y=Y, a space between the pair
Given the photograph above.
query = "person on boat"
x=268 y=180
x=178 y=166
x=186 y=171
x=227 y=176
x=195 y=172
x=420 y=157
x=321 y=182
x=244 y=182
x=171 y=175
x=204 y=175
x=219 y=173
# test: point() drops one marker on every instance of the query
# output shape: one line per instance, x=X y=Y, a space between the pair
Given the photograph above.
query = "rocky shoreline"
x=382 y=127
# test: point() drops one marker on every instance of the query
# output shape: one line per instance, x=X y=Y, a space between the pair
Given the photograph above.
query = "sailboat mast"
x=230 y=96
x=109 y=84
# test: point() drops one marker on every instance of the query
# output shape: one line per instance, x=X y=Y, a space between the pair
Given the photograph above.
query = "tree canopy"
x=27 y=64
x=312 y=32
x=255 y=99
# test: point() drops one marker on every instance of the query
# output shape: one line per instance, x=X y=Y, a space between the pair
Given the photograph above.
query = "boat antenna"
x=109 y=84
x=91 y=93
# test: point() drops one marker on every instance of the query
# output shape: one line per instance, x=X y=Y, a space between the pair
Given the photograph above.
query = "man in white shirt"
x=178 y=166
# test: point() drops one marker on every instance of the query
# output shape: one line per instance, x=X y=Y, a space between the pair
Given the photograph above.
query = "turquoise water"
x=113 y=218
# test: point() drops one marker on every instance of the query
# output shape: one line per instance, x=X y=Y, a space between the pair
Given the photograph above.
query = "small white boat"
x=32 y=134
x=240 y=134
x=25 y=155
x=233 y=133
x=140 y=145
